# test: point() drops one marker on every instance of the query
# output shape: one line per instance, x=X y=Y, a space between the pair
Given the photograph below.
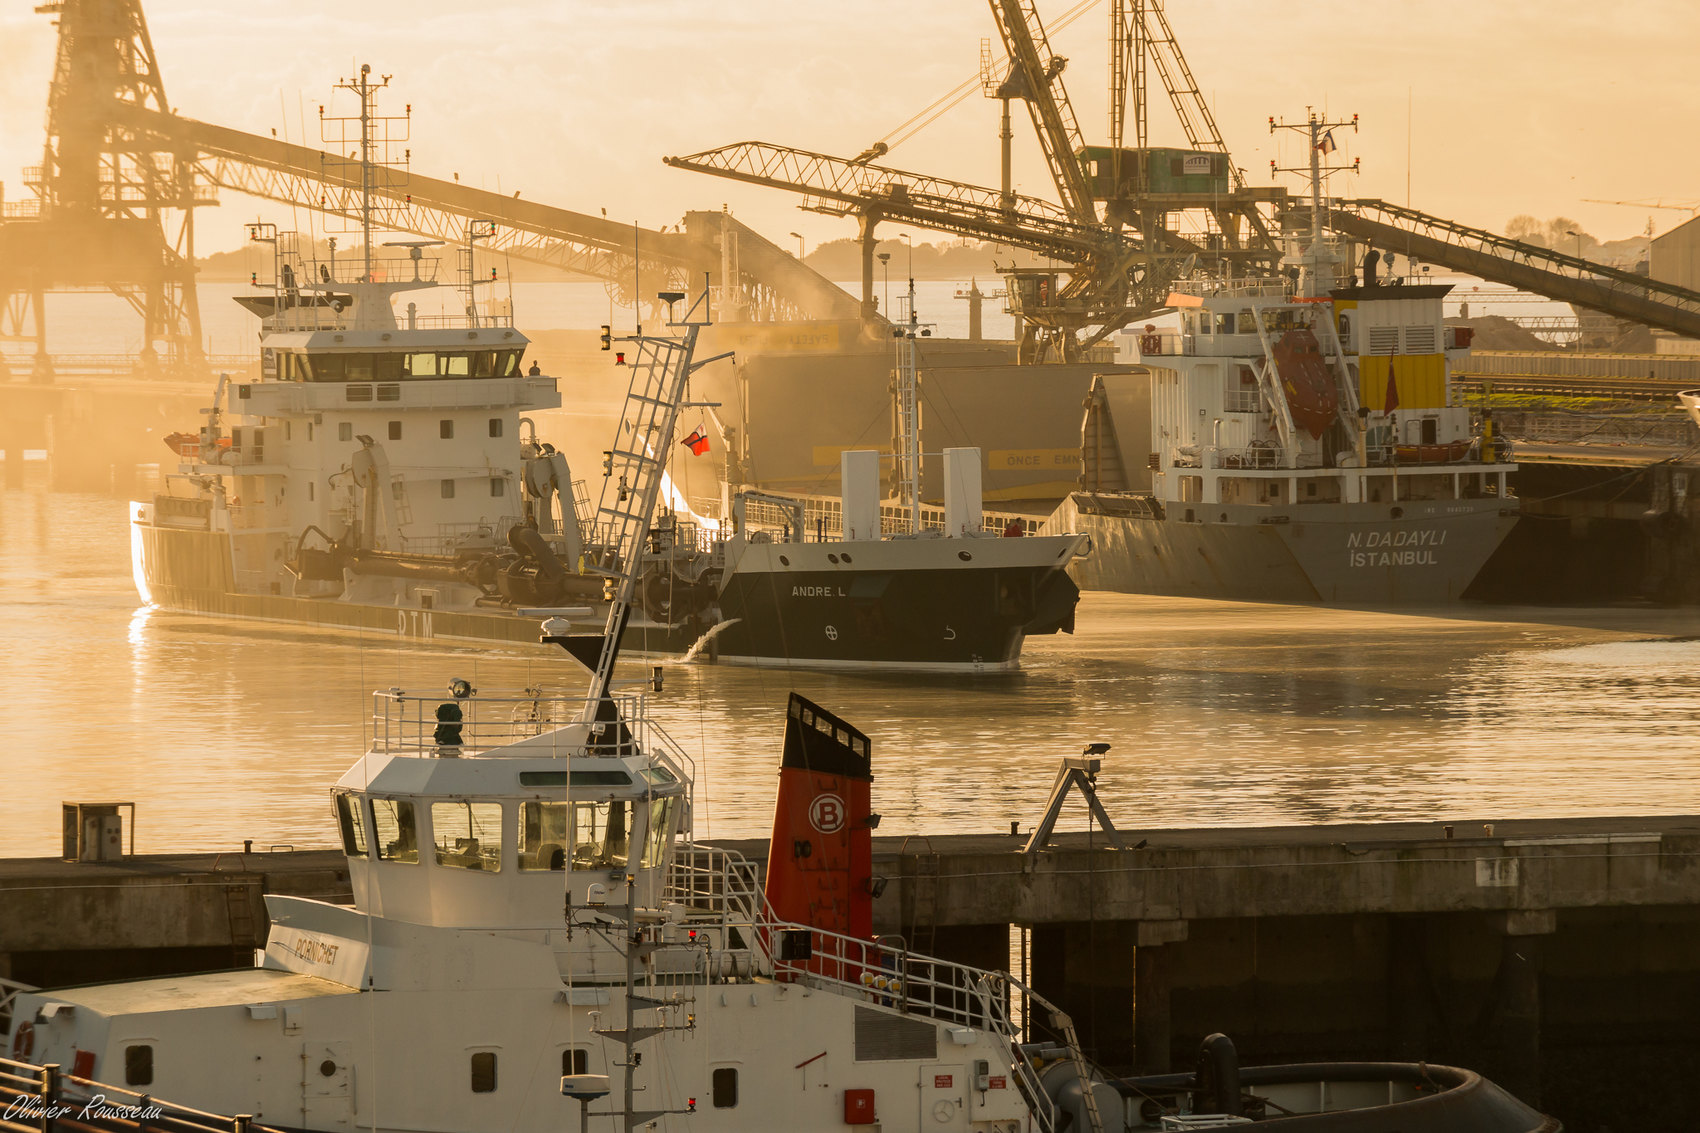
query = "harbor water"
x=1217 y=713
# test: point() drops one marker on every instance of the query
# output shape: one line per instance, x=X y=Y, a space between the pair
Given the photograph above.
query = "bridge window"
x=345 y=430
x=422 y=365
x=448 y=489
x=545 y=832
x=660 y=831
x=395 y=430
x=495 y=426
x=575 y=1060
x=468 y=835
x=484 y=1072
x=455 y=366
x=498 y=487
x=353 y=830
x=446 y=429
x=1225 y=322
x=396 y=830
x=600 y=834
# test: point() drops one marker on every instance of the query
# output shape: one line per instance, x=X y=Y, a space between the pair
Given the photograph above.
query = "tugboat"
x=1304 y=444
x=536 y=937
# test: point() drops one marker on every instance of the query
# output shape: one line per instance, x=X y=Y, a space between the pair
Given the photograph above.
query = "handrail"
x=721 y=885
x=85 y=1104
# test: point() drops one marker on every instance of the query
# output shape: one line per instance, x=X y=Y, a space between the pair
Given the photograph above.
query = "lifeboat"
x=1312 y=396
x=1432 y=454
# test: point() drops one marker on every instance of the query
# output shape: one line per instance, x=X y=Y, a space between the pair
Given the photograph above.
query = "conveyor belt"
x=528 y=230
x=1487 y=255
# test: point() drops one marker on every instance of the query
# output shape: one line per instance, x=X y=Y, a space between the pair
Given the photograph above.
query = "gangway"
x=1528 y=267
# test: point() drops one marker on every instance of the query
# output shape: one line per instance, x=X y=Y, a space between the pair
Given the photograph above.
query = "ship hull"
x=915 y=605
x=1350 y=554
x=963 y=605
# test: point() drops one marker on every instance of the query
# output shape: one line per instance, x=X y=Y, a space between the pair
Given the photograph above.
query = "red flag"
x=696 y=442
x=1392 y=392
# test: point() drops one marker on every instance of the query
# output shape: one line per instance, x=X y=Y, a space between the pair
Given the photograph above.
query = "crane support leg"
x=865 y=234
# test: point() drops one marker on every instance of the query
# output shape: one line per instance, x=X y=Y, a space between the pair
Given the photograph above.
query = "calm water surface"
x=1218 y=713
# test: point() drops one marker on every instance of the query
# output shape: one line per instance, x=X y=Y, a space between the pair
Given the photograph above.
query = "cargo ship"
x=1294 y=440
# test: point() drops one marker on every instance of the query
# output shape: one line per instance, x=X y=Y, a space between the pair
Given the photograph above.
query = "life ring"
x=23 y=1042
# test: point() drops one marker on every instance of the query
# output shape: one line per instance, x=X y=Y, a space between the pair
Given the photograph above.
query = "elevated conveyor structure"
x=1487 y=255
x=778 y=285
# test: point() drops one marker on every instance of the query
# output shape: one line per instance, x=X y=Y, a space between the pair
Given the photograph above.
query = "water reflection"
x=1218 y=713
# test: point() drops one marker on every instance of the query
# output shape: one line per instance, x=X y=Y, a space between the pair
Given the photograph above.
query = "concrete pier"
x=1559 y=957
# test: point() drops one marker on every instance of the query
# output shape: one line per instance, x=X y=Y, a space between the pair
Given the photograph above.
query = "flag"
x=696 y=442
x=1392 y=399
x=1326 y=145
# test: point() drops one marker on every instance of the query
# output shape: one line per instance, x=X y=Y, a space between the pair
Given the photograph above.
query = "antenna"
x=374 y=139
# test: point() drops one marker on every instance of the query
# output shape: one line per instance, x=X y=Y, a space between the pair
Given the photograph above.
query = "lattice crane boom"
x=843 y=185
x=1039 y=71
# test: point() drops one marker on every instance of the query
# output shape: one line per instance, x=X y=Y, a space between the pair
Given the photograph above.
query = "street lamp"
x=799 y=237
x=1578 y=235
x=911 y=242
x=885 y=266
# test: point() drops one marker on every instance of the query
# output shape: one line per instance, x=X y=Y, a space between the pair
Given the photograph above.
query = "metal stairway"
x=633 y=466
x=1528 y=267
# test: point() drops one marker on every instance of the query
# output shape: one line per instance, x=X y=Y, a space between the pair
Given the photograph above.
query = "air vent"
x=889 y=1038
x=357 y=393
x=389 y=393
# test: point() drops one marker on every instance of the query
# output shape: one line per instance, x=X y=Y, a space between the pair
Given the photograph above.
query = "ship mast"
x=1316 y=263
x=374 y=138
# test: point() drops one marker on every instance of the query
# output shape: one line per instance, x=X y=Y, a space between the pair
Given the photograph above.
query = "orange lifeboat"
x=1312 y=396
x=1448 y=453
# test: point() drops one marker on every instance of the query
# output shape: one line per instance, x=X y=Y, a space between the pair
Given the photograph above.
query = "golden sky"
x=1513 y=107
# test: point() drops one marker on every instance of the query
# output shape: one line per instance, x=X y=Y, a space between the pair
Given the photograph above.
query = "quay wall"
x=1559 y=957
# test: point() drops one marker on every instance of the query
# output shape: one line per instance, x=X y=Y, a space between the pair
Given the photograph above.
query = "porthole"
x=964 y=556
x=831 y=558
x=327 y=1068
x=846 y=558
x=783 y=561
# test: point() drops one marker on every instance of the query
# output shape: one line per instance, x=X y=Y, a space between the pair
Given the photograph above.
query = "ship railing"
x=723 y=887
x=1162 y=343
x=1242 y=401
x=481 y=320
x=39 y=1099
x=9 y=992
x=482 y=535
x=823 y=518
x=1257 y=455
x=313 y=274
x=414 y=723
x=1249 y=287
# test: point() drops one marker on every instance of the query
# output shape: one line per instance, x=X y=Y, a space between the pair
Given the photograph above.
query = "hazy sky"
x=1515 y=106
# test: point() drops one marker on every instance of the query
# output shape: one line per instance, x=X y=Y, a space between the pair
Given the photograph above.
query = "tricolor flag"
x=696 y=442
x=1392 y=399
x=1326 y=145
